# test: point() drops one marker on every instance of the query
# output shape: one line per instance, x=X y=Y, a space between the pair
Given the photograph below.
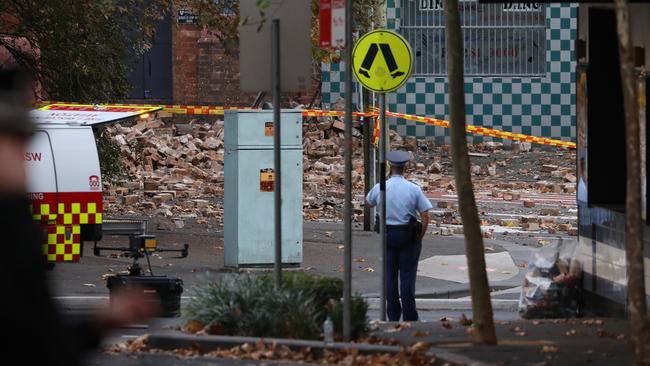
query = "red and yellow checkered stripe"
x=62 y=214
x=63 y=243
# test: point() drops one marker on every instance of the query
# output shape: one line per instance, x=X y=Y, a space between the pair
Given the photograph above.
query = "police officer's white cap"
x=398 y=157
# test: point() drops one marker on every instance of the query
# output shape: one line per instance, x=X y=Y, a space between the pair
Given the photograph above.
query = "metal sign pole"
x=347 y=215
x=275 y=62
x=382 y=201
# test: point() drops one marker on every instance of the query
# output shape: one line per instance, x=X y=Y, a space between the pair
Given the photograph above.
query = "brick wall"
x=204 y=73
x=218 y=72
x=185 y=63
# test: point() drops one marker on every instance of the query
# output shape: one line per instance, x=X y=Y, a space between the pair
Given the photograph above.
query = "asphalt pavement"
x=323 y=255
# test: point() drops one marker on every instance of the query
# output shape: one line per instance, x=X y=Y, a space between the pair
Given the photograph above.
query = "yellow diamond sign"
x=382 y=61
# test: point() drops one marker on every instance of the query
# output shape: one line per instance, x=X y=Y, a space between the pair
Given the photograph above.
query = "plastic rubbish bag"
x=551 y=286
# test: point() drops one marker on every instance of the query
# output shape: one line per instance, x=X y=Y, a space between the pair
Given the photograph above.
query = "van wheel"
x=91 y=232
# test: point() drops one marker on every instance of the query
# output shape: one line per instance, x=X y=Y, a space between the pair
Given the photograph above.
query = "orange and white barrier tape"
x=476 y=130
x=484 y=131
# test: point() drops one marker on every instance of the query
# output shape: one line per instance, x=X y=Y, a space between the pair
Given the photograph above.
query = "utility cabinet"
x=249 y=219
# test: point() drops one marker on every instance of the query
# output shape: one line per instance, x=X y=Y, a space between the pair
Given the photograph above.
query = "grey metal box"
x=249 y=197
x=251 y=129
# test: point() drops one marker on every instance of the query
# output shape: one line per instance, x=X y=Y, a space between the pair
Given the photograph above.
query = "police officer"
x=404 y=201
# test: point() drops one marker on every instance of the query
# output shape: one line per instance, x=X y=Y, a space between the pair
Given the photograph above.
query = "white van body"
x=64 y=179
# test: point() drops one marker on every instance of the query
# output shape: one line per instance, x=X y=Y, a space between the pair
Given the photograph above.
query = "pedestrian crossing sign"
x=382 y=61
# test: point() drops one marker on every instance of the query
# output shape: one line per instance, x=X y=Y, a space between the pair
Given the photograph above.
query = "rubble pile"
x=176 y=172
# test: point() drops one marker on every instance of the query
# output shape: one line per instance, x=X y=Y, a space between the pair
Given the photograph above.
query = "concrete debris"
x=176 y=172
x=529 y=204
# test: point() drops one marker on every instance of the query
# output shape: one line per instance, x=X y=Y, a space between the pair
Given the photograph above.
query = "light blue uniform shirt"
x=403 y=199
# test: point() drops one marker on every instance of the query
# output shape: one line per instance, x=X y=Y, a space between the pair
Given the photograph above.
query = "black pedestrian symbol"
x=388 y=56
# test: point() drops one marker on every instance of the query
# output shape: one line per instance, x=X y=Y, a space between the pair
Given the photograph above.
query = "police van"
x=64 y=180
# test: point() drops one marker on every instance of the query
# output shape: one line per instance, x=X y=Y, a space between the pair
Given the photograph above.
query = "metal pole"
x=367 y=136
x=277 y=189
x=347 y=216
x=382 y=201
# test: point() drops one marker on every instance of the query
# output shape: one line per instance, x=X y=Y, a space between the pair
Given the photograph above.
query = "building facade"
x=519 y=67
x=601 y=154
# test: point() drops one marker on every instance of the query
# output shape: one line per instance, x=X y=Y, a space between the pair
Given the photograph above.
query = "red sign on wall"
x=332 y=23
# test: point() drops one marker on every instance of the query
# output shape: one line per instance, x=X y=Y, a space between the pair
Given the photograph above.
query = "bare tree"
x=633 y=223
x=483 y=329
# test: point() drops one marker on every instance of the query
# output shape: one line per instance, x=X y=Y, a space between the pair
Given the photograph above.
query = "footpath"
x=585 y=341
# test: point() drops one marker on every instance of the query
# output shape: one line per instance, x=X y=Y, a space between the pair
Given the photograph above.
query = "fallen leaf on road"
x=419 y=346
x=359 y=259
x=329 y=234
x=605 y=334
x=193 y=326
x=398 y=328
x=592 y=322
x=446 y=322
x=489 y=249
x=518 y=331
x=340 y=247
x=464 y=321
x=369 y=269
x=374 y=324
x=419 y=333
x=90 y=285
x=549 y=349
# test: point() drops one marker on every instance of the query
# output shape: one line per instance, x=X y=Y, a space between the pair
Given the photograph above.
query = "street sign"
x=332 y=23
x=382 y=61
x=186 y=17
x=255 y=45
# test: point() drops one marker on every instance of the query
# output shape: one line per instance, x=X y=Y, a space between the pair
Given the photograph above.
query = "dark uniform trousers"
x=403 y=256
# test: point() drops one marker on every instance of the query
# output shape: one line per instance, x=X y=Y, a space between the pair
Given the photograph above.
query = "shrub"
x=109 y=156
x=246 y=306
x=251 y=306
x=359 y=317
x=323 y=289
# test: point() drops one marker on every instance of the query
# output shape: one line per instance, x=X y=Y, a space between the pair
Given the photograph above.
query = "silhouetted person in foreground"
x=34 y=332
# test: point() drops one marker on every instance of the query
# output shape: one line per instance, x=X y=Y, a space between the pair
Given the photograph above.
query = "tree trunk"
x=633 y=224
x=483 y=330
